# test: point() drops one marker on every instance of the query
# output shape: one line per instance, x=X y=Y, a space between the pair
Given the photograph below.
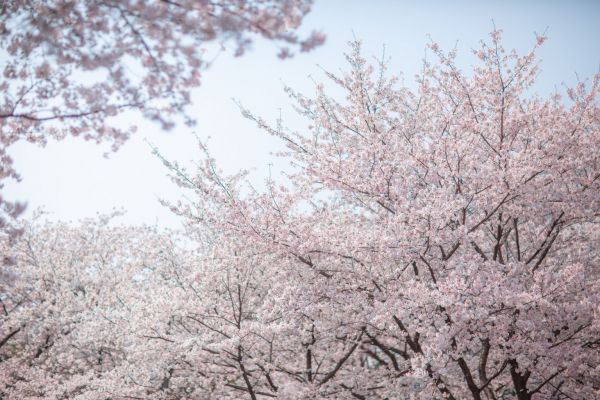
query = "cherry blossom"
x=69 y=66
x=436 y=242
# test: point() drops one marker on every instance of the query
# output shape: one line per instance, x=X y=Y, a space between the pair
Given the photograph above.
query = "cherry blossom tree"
x=439 y=242
x=68 y=300
x=69 y=66
x=436 y=242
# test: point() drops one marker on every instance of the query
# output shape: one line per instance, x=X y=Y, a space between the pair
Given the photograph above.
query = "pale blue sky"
x=71 y=179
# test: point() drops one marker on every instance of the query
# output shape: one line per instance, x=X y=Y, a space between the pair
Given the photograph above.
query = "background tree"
x=69 y=66
x=69 y=304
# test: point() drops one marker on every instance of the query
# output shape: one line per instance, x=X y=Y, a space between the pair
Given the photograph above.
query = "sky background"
x=71 y=179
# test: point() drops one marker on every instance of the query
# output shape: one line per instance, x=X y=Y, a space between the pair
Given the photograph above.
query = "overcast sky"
x=71 y=179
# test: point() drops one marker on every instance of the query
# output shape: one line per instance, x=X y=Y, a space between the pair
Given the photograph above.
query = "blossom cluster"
x=69 y=67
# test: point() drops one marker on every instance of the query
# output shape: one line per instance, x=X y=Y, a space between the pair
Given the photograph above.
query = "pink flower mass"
x=437 y=241
x=140 y=55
